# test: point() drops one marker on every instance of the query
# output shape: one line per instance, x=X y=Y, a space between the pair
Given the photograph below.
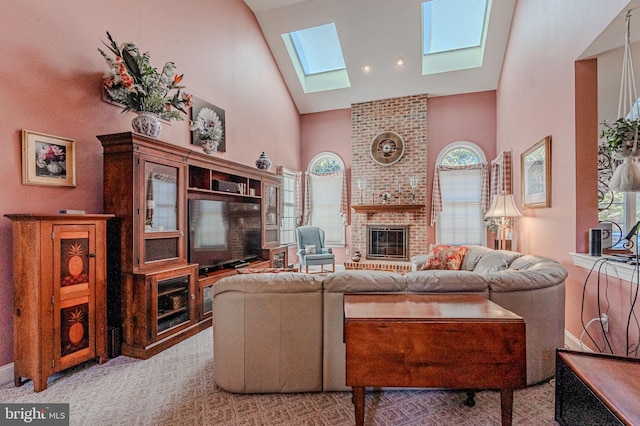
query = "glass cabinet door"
x=271 y=218
x=271 y=205
x=161 y=198
x=172 y=303
x=160 y=212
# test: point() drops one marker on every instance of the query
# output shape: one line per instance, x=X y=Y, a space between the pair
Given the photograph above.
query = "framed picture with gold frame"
x=536 y=175
x=48 y=160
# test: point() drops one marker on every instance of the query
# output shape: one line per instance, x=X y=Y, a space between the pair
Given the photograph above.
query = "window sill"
x=611 y=268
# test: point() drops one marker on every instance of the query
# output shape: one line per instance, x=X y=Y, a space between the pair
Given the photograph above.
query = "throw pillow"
x=309 y=249
x=444 y=257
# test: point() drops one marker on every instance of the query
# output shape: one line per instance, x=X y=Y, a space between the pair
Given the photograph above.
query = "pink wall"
x=327 y=131
x=470 y=117
x=52 y=83
x=536 y=97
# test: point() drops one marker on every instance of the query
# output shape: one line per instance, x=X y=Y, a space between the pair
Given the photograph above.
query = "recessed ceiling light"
x=399 y=62
x=366 y=68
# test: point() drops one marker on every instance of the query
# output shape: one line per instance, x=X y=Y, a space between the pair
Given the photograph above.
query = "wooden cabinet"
x=148 y=185
x=158 y=310
x=144 y=186
x=60 y=314
x=278 y=256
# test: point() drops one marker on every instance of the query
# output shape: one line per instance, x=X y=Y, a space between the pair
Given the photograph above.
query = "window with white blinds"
x=287 y=231
x=461 y=220
x=324 y=193
x=325 y=197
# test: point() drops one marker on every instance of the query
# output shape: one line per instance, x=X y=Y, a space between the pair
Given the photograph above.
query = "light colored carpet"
x=176 y=388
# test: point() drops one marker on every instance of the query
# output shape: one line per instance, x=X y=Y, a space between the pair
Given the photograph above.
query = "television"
x=224 y=233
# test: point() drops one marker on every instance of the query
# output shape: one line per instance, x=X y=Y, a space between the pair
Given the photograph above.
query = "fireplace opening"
x=387 y=242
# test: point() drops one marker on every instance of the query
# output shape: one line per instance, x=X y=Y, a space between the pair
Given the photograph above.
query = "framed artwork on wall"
x=48 y=160
x=536 y=175
x=211 y=117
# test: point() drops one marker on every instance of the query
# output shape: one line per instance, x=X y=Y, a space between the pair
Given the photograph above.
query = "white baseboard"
x=573 y=343
x=6 y=373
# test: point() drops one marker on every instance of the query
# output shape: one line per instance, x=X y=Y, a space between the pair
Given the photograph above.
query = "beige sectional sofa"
x=283 y=332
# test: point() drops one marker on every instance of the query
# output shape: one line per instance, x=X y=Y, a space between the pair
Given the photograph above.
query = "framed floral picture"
x=208 y=124
x=536 y=175
x=48 y=160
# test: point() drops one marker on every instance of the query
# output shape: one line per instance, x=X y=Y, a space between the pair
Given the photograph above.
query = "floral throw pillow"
x=309 y=249
x=444 y=257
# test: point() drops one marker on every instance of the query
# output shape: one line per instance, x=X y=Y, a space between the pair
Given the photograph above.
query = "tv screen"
x=222 y=233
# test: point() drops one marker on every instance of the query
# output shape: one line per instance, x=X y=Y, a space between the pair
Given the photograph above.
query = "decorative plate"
x=387 y=148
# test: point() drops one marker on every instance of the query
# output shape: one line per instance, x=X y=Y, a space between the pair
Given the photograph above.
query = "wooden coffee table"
x=433 y=341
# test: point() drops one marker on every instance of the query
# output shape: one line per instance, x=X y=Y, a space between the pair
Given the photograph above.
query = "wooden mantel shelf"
x=377 y=208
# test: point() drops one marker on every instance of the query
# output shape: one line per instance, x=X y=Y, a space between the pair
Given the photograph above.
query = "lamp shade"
x=503 y=205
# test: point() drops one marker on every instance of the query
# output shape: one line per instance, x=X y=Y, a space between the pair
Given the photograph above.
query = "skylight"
x=318 y=49
x=453 y=34
x=316 y=55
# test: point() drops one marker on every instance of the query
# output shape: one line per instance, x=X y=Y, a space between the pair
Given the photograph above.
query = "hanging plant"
x=619 y=135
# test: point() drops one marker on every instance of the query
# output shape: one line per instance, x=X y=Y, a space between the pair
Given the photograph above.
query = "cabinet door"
x=172 y=301
x=74 y=297
x=161 y=218
x=271 y=218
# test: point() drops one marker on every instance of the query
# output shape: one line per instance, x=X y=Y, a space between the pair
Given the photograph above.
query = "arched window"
x=461 y=173
x=326 y=199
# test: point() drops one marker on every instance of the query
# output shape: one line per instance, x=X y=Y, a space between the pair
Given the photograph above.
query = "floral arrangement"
x=50 y=154
x=136 y=84
x=384 y=196
x=208 y=126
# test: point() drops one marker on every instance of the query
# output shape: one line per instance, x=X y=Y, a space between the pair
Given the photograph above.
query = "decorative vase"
x=209 y=146
x=55 y=168
x=147 y=123
x=356 y=256
x=263 y=162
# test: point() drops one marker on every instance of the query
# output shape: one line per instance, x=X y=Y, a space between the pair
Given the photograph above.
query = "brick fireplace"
x=406 y=116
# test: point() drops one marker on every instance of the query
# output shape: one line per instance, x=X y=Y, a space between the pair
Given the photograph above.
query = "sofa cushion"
x=495 y=260
x=285 y=282
x=354 y=281
x=444 y=257
x=472 y=256
x=444 y=281
x=309 y=249
x=528 y=272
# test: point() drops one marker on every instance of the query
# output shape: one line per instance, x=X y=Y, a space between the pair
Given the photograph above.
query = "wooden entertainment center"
x=156 y=298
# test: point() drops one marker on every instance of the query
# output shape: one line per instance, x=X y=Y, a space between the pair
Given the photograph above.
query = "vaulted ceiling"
x=377 y=32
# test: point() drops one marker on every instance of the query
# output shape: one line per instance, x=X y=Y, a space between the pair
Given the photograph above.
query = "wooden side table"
x=433 y=341
x=596 y=389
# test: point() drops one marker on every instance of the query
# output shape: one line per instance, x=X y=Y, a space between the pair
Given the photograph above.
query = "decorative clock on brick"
x=387 y=148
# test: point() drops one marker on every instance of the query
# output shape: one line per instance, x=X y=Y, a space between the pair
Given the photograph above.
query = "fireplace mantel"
x=377 y=208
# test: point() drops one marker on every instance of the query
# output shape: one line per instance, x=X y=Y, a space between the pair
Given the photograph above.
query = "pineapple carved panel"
x=74 y=303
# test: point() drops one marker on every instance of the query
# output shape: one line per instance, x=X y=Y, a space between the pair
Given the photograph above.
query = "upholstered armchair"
x=311 y=249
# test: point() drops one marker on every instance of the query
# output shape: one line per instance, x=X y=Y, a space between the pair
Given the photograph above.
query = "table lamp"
x=503 y=209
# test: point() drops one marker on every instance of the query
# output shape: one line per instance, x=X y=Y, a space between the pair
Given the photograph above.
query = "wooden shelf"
x=377 y=208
